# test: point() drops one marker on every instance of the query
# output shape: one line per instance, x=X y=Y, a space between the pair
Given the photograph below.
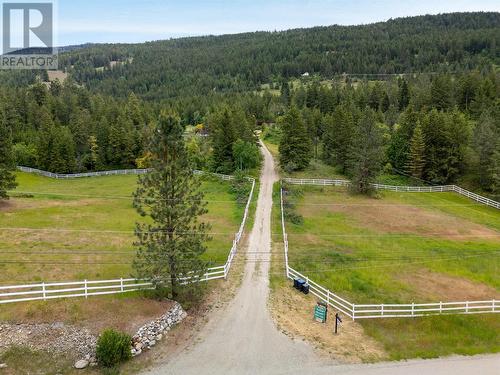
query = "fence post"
x=353 y=312
x=382 y=309
x=86 y=290
x=440 y=307
x=466 y=307
x=121 y=284
x=328 y=296
x=493 y=305
x=413 y=309
x=44 y=291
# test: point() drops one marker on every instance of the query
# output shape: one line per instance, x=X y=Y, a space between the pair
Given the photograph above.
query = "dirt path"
x=242 y=338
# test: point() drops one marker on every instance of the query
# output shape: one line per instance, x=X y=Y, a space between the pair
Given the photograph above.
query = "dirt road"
x=242 y=338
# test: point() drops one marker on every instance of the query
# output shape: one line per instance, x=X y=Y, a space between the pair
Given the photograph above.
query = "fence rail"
x=370 y=311
x=47 y=291
x=408 y=189
x=115 y=172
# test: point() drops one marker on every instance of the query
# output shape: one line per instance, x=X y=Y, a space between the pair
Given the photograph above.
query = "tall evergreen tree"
x=7 y=178
x=486 y=142
x=338 y=137
x=416 y=160
x=367 y=154
x=295 y=146
x=404 y=94
x=494 y=170
x=171 y=244
x=223 y=136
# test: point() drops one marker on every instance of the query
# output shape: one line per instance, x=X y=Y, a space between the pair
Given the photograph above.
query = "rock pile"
x=57 y=338
x=60 y=338
x=148 y=335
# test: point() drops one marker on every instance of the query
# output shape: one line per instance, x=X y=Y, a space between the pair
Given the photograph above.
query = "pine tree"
x=416 y=160
x=295 y=146
x=285 y=93
x=404 y=94
x=7 y=178
x=170 y=245
x=223 y=136
x=494 y=170
x=94 y=153
x=486 y=142
x=399 y=146
x=367 y=154
x=338 y=137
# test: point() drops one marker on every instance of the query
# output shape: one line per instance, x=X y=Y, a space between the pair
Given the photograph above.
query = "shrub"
x=241 y=188
x=113 y=347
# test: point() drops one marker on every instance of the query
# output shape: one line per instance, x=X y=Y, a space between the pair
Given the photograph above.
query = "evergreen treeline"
x=64 y=128
x=438 y=128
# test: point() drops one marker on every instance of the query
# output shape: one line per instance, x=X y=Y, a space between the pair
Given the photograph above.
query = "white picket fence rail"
x=407 y=189
x=46 y=291
x=369 y=311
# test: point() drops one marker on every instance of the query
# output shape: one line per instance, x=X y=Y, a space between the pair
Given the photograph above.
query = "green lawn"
x=88 y=221
x=403 y=248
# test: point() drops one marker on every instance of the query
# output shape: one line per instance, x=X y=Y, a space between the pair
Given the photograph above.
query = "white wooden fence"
x=408 y=189
x=46 y=291
x=109 y=173
x=368 y=311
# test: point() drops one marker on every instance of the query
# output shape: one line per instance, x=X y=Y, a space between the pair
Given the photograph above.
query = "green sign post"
x=320 y=312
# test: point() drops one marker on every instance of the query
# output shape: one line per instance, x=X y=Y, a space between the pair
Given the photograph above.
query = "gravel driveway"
x=242 y=339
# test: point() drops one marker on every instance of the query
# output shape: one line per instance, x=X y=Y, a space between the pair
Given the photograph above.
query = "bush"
x=113 y=347
x=240 y=187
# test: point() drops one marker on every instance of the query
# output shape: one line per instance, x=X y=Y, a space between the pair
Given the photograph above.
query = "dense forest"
x=200 y=65
x=439 y=124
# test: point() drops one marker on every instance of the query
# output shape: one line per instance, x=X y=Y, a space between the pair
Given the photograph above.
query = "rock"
x=3 y=365
x=81 y=364
x=159 y=337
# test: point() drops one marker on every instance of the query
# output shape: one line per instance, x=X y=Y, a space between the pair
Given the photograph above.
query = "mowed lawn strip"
x=90 y=222
x=403 y=248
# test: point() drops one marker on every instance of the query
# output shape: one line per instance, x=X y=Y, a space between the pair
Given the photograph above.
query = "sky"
x=82 y=21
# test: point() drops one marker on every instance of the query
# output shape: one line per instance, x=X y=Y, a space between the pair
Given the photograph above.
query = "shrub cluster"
x=113 y=348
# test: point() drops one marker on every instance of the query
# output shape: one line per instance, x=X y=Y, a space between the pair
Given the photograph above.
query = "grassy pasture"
x=403 y=248
x=88 y=224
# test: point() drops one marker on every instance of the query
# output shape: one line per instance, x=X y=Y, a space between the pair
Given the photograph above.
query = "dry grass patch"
x=442 y=287
x=293 y=313
x=385 y=216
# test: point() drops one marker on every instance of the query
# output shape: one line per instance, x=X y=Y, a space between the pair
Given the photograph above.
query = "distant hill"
x=199 y=65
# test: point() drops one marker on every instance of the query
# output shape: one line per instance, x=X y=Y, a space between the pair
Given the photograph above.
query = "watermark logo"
x=28 y=36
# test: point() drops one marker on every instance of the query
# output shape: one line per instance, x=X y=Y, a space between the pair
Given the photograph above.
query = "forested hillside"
x=194 y=66
x=241 y=62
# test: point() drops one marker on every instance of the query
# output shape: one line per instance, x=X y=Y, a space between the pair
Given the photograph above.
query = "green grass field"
x=403 y=248
x=83 y=228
